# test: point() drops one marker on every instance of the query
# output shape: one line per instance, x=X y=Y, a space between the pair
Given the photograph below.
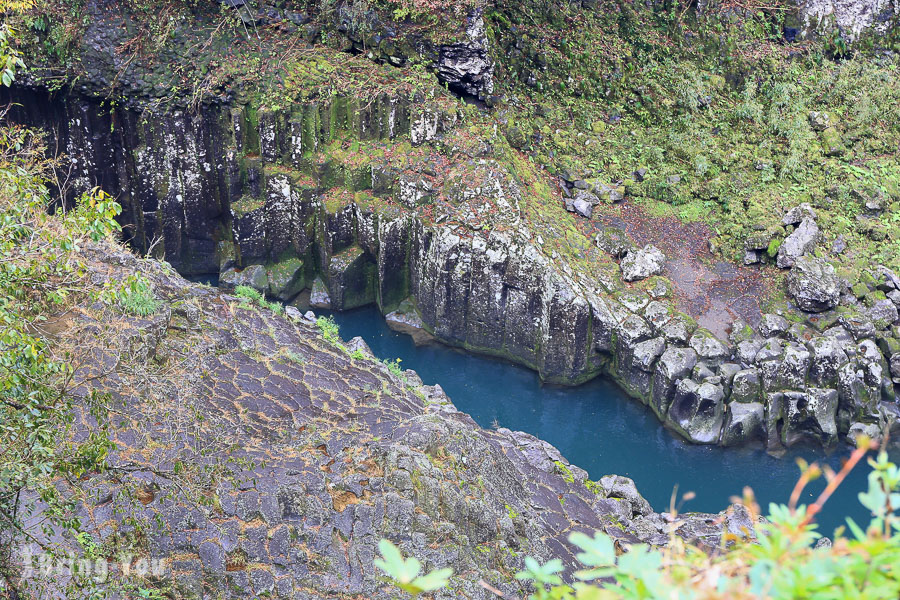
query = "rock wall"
x=853 y=18
x=264 y=199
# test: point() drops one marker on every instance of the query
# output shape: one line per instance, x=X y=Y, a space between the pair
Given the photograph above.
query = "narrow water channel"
x=597 y=427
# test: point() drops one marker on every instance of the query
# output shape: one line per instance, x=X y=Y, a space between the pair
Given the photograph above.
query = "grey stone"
x=213 y=557
x=614 y=241
x=814 y=284
x=698 y=411
x=708 y=346
x=744 y=421
x=646 y=353
x=798 y=213
x=772 y=325
x=318 y=297
x=253 y=276
x=582 y=207
x=616 y=486
x=643 y=263
x=883 y=312
x=827 y=357
x=745 y=386
x=810 y=414
x=798 y=243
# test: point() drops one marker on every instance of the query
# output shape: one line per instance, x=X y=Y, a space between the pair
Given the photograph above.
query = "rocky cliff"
x=258 y=457
x=338 y=173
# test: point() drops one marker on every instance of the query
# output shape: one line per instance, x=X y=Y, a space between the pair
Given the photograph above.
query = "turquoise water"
x=597 y=427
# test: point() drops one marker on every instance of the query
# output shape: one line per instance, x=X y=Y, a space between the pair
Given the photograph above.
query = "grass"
x=136 y=297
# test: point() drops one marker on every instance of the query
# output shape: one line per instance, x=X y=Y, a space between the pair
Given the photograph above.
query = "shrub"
x=40 y=273
x=248 y=293
x=330 y=330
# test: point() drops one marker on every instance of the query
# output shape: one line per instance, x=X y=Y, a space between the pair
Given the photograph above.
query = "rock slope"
x=260 y=458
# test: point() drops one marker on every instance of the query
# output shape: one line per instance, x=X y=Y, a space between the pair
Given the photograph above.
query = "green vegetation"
x=136 y=297
x=405 y=572
x=249 y=295
x=394 y=367
x=781 y=563
x=330 y=330
x=41 y=276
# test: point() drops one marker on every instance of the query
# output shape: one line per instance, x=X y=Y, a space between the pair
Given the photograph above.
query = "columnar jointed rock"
x=333 y=452
x=643 y=263
x=814 y=284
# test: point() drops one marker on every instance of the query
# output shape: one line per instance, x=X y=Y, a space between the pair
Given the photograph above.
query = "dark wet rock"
x=468 y=65
x=814 y=284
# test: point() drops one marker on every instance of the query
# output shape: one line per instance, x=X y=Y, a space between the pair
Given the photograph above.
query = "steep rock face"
x=258 y=458
x=853 y=18
x=265 y=198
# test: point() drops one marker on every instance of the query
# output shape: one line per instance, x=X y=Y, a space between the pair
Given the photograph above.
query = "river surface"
x=597 y=427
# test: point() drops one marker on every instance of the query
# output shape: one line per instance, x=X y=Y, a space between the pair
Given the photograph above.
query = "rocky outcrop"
x=258 y=459
x=852 y=18
x=269 y=200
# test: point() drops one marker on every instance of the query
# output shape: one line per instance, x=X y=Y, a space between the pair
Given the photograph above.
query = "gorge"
x=652 y=246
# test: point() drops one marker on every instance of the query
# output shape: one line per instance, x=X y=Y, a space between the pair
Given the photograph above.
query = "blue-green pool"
x=597 y=427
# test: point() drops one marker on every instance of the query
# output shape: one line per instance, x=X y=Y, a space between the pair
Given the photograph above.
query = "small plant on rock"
x=136 y=297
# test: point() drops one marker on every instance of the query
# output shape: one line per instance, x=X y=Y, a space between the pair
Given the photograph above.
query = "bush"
x=330 y=330
x=40 y=274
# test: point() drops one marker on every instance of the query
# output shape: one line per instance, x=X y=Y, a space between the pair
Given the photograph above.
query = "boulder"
x=799 y=243
x=582 y=207
x=883 y=313
x=646 y=353
x=772 y=325
x=674 y=364
x=744 y=421
x=814 y=284
x=810 y=414
x=798 y=213
x=643 y=263
x=708 y=346
x=826 y=359
x=616 y=486
x=614 y=241
x=318 y=297
x=745 y=387
x=253 y=276
x=698 y=411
